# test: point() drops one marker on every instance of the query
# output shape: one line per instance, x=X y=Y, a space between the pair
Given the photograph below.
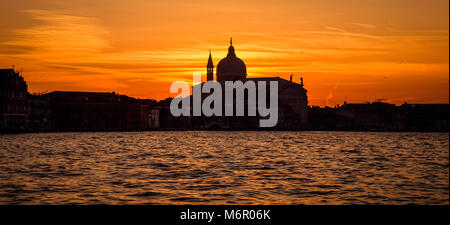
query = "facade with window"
x=13 y=100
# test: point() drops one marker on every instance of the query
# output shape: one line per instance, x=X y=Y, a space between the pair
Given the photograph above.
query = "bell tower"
x=210 y=68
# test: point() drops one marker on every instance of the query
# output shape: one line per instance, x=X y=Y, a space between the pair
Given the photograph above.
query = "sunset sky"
x=354 y=50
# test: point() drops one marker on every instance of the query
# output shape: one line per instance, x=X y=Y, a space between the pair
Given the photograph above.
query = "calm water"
x=225 y=168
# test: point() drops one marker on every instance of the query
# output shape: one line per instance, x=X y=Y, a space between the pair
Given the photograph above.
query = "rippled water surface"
x=206 y=167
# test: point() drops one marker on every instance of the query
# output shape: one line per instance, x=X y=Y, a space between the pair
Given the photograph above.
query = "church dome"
x=231 y=68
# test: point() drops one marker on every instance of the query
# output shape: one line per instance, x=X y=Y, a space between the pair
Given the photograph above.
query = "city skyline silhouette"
x=345 y=52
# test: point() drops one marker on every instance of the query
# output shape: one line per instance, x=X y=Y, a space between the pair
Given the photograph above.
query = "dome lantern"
x=231 y=68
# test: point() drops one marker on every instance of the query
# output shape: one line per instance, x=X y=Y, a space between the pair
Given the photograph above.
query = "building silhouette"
x=292 y=99
x=381 y=116
x=39 y=112
x=109 y=111
x=100 y=111
x=13 y=100
x=231 y=68
x=210 y=68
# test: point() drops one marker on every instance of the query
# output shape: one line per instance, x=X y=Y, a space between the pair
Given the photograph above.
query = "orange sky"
x=358 y=50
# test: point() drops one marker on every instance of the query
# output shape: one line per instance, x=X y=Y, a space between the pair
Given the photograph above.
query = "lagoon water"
x=224 y=167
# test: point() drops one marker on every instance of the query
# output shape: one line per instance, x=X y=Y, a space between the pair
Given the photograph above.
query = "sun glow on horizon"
x=356 y=51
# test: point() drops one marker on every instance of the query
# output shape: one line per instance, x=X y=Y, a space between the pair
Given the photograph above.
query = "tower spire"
x=210 y=61
x=210 y=68
x=231 y=41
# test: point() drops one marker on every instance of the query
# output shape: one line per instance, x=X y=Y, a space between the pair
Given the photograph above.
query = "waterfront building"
x=97 y=111
x=292 y=97
x=13 y=101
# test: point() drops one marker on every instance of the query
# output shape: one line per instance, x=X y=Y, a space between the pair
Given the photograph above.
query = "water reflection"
x=224 y=168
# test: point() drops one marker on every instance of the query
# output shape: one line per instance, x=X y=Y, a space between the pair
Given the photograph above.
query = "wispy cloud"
x=139 y=47
x=58 y=34
x=363 y=25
